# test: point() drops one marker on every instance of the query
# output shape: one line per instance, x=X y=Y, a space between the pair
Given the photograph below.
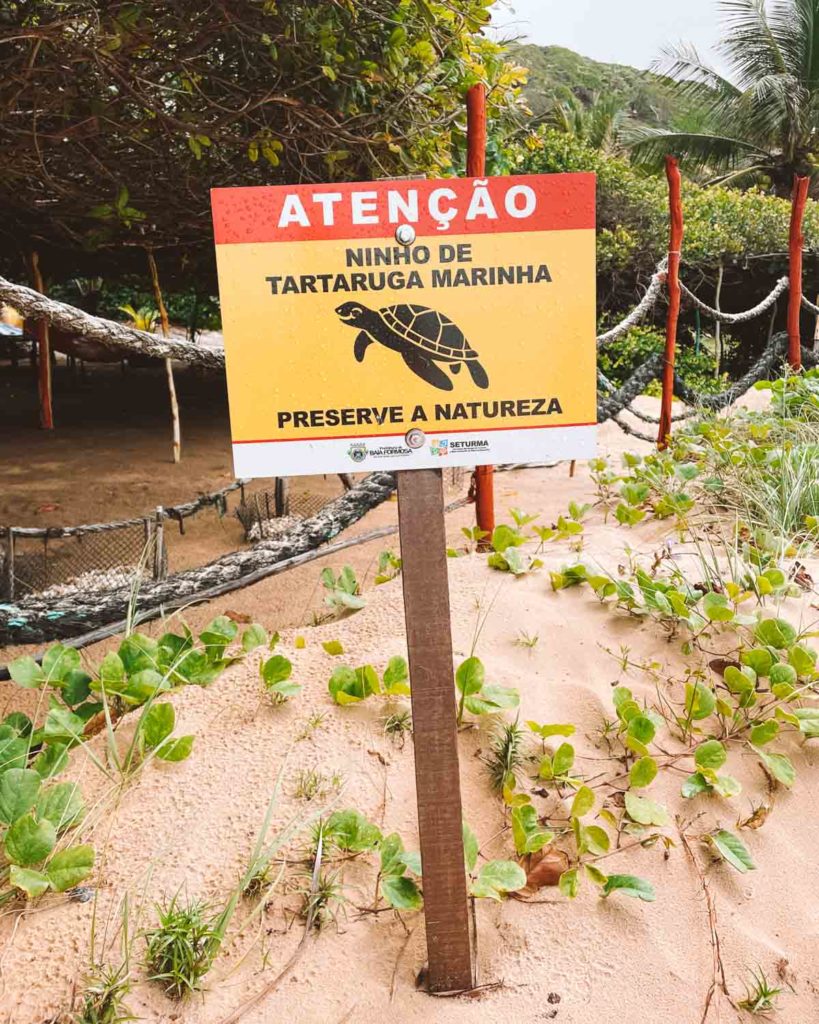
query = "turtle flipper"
x=361 y=342
x=427 y=370
x=478 y=373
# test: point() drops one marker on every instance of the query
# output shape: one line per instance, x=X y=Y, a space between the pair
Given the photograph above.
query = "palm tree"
x=599 y=123
x=760 y=122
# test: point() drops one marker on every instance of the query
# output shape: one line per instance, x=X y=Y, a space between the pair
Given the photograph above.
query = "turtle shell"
x=428 y=330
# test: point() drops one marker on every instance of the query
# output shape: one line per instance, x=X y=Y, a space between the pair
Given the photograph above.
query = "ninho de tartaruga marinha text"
x=374 y=280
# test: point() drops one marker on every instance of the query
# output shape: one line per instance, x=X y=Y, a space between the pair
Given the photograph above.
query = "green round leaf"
x=764 y=732
x=18 y=793
x=782 y=673
x=759 y=659
x=642 y=729
x=61 y=804
x=32 y=883
x=694 y=785
x=630 y=885
x=469 y=677
x=69 y=867
x=401 y=893
x=28 y=841
x=716 y=608
x=733 y=850
x=643 y=772
x=175 y=750
x=644 y=811
x=711 y=754
x=583 y=802
x=502 y=876
x=157 y=723
x=775 y=633
x=26 y=672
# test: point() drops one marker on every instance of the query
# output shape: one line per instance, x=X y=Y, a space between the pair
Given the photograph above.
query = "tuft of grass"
x=398 y=725
x=322 y=899
x=315 y=721
x=183 y=946
x=524 y=639
x=103 y=998
x=505 y=755
x=760 y=995
x=311 y=783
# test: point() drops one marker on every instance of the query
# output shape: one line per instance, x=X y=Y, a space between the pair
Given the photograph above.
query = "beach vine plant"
x=38 y=814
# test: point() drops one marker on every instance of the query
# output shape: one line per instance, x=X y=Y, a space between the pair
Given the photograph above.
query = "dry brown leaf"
x=238 y=617
x=546 y=867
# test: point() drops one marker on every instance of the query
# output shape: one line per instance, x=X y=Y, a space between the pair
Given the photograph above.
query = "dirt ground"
x=190 y=827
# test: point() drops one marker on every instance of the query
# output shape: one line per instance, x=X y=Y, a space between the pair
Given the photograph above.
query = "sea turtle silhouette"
x=423 y=336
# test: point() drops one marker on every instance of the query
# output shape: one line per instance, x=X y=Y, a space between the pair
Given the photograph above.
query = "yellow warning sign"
x=408 y=324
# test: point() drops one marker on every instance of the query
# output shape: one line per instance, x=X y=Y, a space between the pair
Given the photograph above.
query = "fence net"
x=97 y=561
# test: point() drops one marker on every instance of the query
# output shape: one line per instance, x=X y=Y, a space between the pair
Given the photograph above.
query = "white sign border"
x=368 y=454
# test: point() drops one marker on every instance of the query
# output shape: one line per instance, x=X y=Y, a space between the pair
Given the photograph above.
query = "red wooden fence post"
x=672 y=172
x=476 y=168
x=795 y=244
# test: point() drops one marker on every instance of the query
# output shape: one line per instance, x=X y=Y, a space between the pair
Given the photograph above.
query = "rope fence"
x=36 y=618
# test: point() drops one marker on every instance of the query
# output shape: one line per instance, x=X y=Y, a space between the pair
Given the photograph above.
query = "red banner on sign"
x=375 y=209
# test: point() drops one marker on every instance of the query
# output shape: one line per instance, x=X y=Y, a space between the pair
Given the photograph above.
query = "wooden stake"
x=166 y=330
x=717 y=324
x=434 y=720
x=476 y=168
x=43 y=353
x=795 y=243
x=672 y=172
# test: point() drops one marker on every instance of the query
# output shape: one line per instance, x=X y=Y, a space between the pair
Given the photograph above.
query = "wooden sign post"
x=437 y=777
x=408 y=325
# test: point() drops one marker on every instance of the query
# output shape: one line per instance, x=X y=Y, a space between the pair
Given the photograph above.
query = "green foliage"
x=352 y=685
x=697 y=368
x=177 y=69
x=183 y=945
x=479 y=697
x=275 y=673
x=37 y=812
x=747 y=130
x=632 y=223
x=396 y=866
x=495 y=878
x=505 y=755
x=760 y=994
x=557 y=73
x=102 y=998
x=389 y=566
x=343 y=591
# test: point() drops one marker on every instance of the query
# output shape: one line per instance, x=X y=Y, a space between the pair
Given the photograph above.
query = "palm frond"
x=682 y=63
x=775 y=111
x=796 y=24
x=698 y=153
x=755 y=174
x=750 y=47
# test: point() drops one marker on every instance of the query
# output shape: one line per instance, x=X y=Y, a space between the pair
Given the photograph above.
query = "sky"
x=616 y=31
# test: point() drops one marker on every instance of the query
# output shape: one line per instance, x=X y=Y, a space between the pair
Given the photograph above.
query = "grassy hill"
x=557 y=73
